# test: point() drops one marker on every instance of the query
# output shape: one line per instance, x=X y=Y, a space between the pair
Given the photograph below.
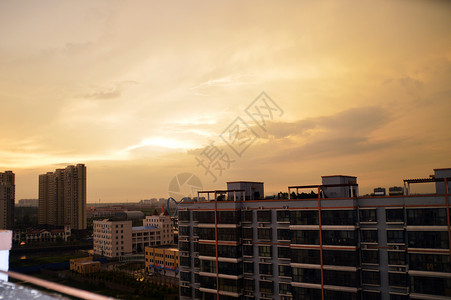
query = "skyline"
x=136 y=92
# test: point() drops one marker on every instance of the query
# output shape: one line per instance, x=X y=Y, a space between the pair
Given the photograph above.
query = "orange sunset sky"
x=137 y=89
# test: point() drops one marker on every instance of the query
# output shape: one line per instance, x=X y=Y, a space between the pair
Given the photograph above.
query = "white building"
x=119 y=238
x=164 y=223
x=112 y=238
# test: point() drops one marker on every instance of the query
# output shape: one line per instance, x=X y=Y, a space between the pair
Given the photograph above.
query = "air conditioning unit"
x=395 y=247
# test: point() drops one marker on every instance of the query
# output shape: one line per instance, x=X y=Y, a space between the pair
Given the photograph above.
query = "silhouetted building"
x=62 y=197
x=7 y=196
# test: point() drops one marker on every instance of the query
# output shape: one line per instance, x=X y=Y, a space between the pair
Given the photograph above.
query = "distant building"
x=162 y=260
x=84 y=265
x=130 y=214
x=7 y=196
x=119 y=238
x=28 y=203
x=112 y=238
x=164 y=223
x=62 y=197
x=41 y=235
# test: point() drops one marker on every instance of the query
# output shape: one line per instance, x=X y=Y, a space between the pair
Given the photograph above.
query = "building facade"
x=163 y=222
x=62 y=197
x=162 y=260
x=7 y=196
x=119 y=238
x=112 y=238
x=41 y=235
x=325 y=242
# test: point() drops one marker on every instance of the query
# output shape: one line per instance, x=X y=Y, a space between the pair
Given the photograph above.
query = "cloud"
x=108 y=93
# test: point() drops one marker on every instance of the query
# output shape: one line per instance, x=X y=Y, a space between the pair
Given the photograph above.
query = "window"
x=248 y=267
x=426 y=216
x=306 y=275
x=266 y=287
x=283 y=252
x=338 y=295
x=205 y=233
x=185 y=261
x=184 y=230
x=397 y=258
x=338 y=217
x=247 y=216
x=264 y=234
x=265 y=251
x=185 y=291
x=248 y=250
x=229 y=268
x=397 y=279
x=371 y=277
x=284 y=288
x=305 y=256
x=283 y=216
x=248 y=233
x=207 y=217
x=305 y=237
x=340 y=258
x=228 y=234
x=184 y=246
x=368 y=236
x=283 y=234
x=249 y=284
x=306 y=293
x=341 y=278
x=431 y=285
x=430 y=262
x=185 y=276
x=339 y=237
x=229 y=217
x=265 y=269
x=284 y=270
x=367 y=295
x=395 y=236
x=367 y=215
x=428 y=239
x=184 y=215
x=394 y=215
x=304 y=217
x=263 y=216
x=370 y=256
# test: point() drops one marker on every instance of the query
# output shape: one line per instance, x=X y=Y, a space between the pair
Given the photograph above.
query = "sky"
x=143 y=91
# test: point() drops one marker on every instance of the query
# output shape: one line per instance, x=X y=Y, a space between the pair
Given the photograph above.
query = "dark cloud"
x=346 y=133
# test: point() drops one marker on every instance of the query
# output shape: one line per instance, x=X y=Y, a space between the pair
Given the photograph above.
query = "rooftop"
x=143 y=227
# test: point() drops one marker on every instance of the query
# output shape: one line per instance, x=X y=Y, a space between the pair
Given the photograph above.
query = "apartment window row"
x=329 y=237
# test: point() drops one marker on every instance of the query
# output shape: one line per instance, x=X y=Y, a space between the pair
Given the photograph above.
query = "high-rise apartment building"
x=324 y=242
x=62 y=197
x=7 y=196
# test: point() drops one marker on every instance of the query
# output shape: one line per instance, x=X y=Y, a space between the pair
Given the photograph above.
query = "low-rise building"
x=162 y=260
x=84 y=265
x=119 y=238
x=41 y=235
